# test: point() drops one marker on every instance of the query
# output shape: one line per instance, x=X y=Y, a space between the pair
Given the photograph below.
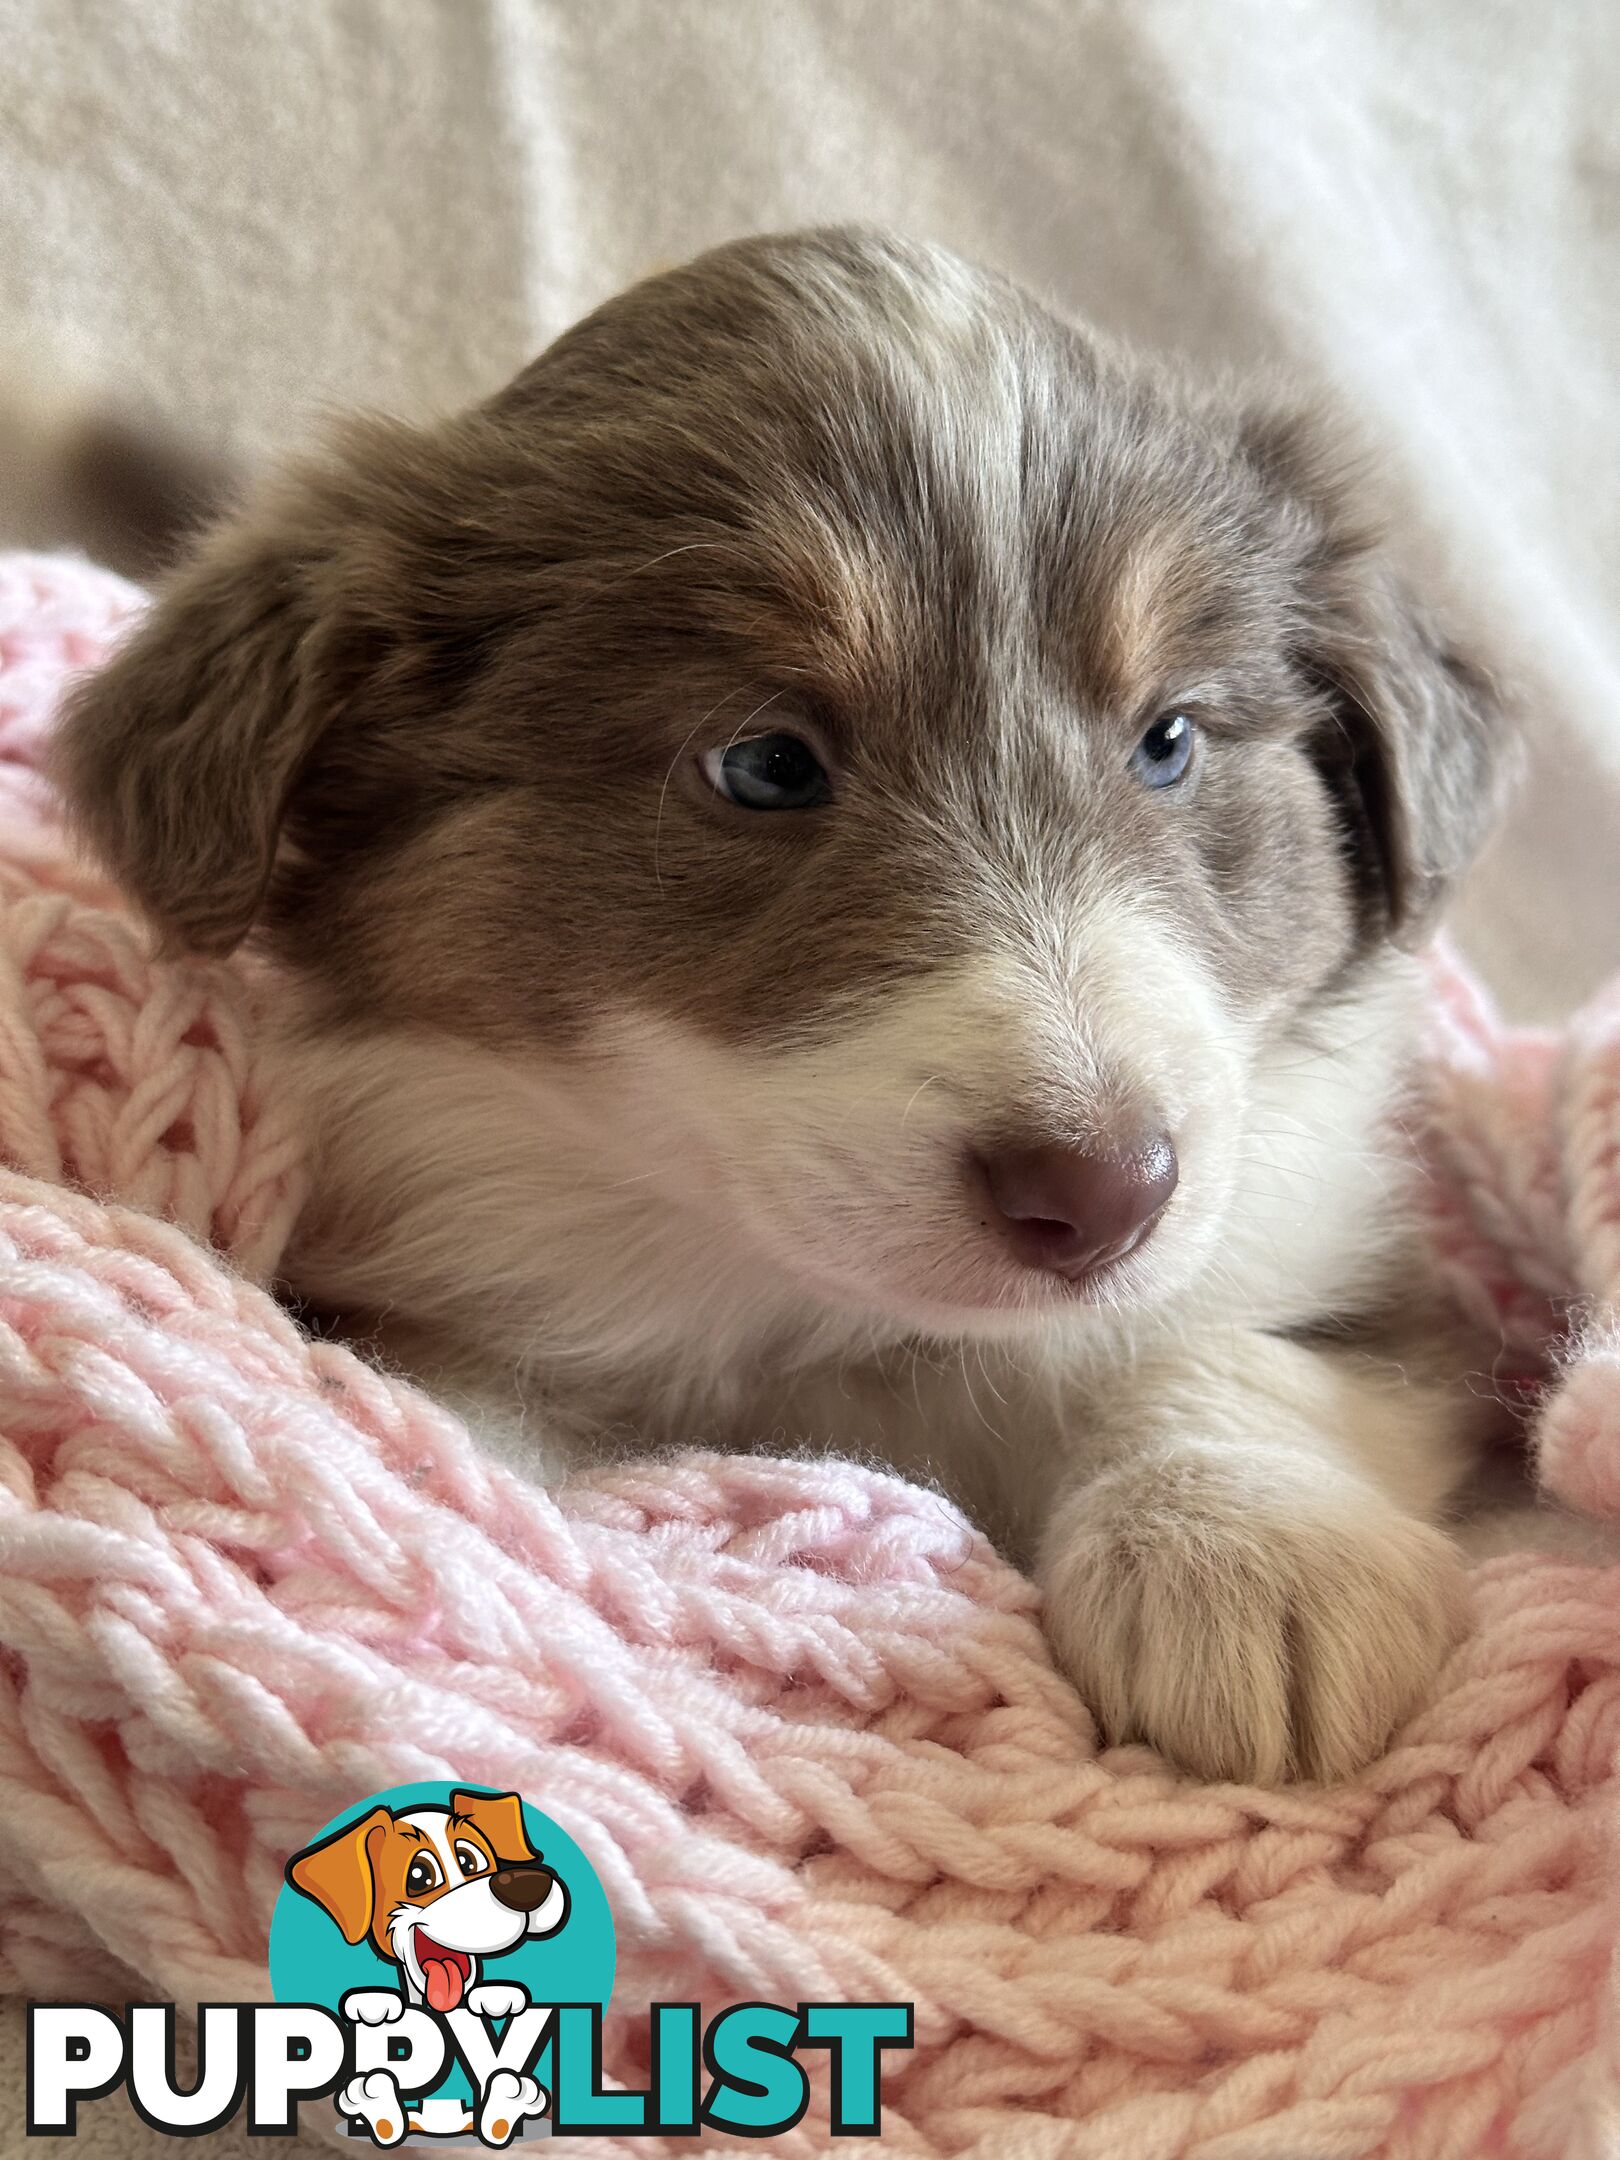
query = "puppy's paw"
x=509 y=2099
x=375 y=2099
x=497 y=1999
x=372 y=2006
x=1251 y=1630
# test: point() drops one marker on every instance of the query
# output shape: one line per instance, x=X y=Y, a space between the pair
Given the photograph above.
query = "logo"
x=428 y=1920
x=441 y=1958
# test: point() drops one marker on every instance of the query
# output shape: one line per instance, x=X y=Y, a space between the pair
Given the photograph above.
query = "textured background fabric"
x=248 y=212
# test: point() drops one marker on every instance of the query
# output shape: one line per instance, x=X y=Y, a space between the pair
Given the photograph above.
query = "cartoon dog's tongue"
x=444 y=1973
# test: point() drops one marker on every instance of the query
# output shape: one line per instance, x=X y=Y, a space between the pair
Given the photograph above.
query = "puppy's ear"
x=1416 y=742
x=499 y=1816
x=177 y=757
x=338 y=1874
x=1414 y=750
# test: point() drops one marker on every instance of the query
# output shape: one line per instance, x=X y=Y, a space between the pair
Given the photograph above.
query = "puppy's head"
x=435 y=1888
x=902 y=768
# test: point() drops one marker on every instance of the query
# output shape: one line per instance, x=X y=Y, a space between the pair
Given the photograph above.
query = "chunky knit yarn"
x=800 y=1717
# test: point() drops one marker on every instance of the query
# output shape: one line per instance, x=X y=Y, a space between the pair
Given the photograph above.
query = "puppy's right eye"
x=422 y=1875
x=768 y=772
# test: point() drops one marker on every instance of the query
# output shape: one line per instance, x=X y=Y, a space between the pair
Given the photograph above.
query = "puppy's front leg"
x=1242 y=1578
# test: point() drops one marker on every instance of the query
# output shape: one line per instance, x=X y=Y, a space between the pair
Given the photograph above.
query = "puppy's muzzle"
x=1073 y=1210
x=521 y=1889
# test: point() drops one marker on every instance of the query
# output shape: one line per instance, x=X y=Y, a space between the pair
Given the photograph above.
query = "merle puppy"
x=840 y=862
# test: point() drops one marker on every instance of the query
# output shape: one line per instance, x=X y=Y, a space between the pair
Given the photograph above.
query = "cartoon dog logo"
x=436 y=1891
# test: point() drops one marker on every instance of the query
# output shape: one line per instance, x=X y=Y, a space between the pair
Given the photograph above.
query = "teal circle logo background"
x=311 y=1963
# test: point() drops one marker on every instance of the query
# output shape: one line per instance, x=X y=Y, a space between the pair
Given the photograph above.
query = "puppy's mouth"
x=1085 y=1275
x=980 y=1282
x=1040 y=1231
x=445 y=1973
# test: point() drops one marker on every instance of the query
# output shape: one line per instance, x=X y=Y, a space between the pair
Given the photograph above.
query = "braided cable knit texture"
x=800 y=1718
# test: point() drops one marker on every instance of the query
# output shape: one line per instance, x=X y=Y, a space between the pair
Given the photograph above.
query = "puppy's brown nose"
x=521 y=1889
x=1074 y=1210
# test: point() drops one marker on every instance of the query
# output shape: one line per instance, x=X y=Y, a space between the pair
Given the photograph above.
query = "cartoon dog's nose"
x=521 y=1889
x=1076 y=1209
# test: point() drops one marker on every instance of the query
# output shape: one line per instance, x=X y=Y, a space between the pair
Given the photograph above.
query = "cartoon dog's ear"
x=499 y=1816
x=338 y=1875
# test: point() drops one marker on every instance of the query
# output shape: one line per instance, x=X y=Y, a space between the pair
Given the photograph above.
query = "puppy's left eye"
x=768 y=772
x=470 y=1860
x=1165 y=752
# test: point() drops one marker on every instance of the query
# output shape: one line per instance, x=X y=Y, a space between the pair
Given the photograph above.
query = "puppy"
x=840 y=862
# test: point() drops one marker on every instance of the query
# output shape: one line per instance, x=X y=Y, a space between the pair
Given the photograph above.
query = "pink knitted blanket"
x=799 y=1717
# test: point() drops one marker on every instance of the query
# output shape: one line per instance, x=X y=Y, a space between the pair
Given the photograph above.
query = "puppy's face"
x=435 y=1889
x=902 y=776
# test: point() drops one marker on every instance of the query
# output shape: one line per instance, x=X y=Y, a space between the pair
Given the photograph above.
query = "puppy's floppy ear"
x=178 y=756
x=338 y=1873
x=1415 y=750
x=1416 y=739
x=500 y=1818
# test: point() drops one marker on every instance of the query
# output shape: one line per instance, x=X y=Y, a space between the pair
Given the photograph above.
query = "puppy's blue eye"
x=1163 y=755
x=768 y=772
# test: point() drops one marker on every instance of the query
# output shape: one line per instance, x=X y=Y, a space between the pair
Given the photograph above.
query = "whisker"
x=663 y=792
